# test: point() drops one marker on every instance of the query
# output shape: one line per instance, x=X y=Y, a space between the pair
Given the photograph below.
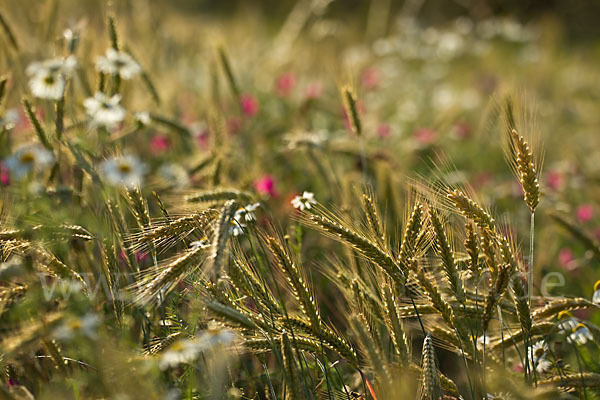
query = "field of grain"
x=309 y=199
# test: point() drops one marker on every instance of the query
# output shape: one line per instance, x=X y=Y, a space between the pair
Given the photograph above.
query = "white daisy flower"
x=181 y=351
x=247 y=213
x=537 y=355
x=117 y=62
x=304 y=202
x=9 y=119
x=105 y=111
x=581 y=335
x=28 y=158
x=215 y=336
x=566 y=322
x=48 y=78
x=236 y=227
x=596 y=296
x=174 y=174
x=143 y=118
x=71 y=37
x=481 y=340
x=241 y=217
x=84 y=326
x=124 y=170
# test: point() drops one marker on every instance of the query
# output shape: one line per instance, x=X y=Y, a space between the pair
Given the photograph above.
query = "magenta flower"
x=585 y=212
x=370 y=78
x=285 y=83
x=518 y=368
x=159 y=143
x=313 y=91
x=554 y=180
x=140 y=256
x=463 y=130
x=249 y=104
x=565 y=257
x=266 y=186
x=384 y=130
x=4 y=176
x=202 y=139
x=425 y=136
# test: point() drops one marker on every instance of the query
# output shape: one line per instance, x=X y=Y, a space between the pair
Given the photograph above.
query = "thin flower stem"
x=531 y=238
x=466 y=365
x=363 y=158
x=580 y=369
x=501 y=334
x=483 y=363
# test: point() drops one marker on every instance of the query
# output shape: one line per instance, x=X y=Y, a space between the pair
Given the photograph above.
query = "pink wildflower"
x=313 y=91
x=518 y=368
x=425 y=136
x=159 y=143
x=4 y=176
x=285 y=84
x=139 y=256
x=565 y=257
x=463 y=130
x=554 y=180
x=585 y=212
x=384 y=130
x=249 y=104
x=266 y=186
x=202 y=139
x=370 y=78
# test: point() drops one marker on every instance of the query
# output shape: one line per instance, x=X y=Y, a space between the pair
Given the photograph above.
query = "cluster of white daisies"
x=48 y=80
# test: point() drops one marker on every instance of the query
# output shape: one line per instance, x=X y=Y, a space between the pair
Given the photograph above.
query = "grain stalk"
x=431 y=388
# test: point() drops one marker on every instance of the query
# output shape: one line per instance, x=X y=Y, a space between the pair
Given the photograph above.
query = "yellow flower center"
x=539 y=352
x=75 y=325
x=27 y=157
x=124 y=168
x=49 y=80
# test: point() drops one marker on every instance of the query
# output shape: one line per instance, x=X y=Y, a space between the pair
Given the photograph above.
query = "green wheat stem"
x=531 y=239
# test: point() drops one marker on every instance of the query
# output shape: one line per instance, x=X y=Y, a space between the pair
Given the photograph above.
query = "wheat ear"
x=366 y=247
x=471 y=210
x=351 y=108
x=290 y=368
x=395 y=326
x=444 y=249
x=221 y=233
x=410 y=236
x=375 y=224
x=296 y=281
x=431 y=389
